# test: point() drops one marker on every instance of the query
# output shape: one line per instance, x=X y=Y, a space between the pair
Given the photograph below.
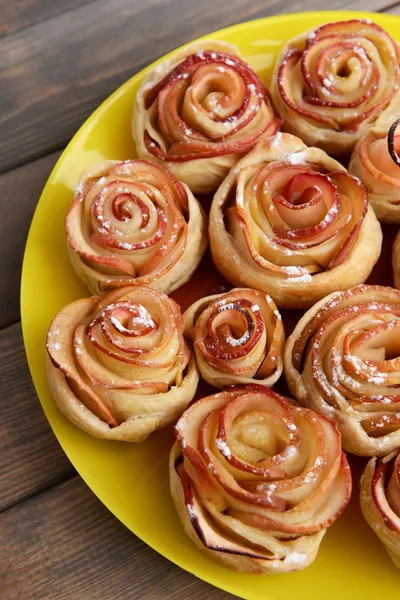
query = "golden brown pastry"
x=199 y=111
x=237 y=337
x=133 y=223
x=118 y=367
x=290 y=221
x=396 y=261
x=343 y=361
x=256 y=480
x=376 y=161
x=380 y=501
x=330 y=84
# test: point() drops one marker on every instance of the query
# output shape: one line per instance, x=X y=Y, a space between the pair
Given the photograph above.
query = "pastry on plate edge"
x=256 y=480
x=119 y=367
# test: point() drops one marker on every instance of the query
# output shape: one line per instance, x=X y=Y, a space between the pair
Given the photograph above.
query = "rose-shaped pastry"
x=376 y=161
x=118 y=367
x=396 y=261
x=343 y=360
x=237 y=337
x=380 y=501
x=331 y=83
x=257 y=481
x=289 y=220
x=199 y=111
x=133 y=223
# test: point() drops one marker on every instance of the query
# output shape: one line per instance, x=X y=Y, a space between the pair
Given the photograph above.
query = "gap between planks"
x=16 y=16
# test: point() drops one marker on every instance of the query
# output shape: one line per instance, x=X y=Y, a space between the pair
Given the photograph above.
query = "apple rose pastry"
x=380 y=501
x=238 y=337
x=289 y=220
x=376 y=161
x=343 y=360
x=396 y=261
x=133 y=223
x=331 y=83
x=256 y=480
x=199 y=111
x=118 y=367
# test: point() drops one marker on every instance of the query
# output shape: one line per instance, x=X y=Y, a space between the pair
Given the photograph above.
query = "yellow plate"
x=132 y=480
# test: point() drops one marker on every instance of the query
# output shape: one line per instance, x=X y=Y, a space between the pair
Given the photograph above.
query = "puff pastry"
x=396 y=261
x=237 y=337
x=133 y=223
x=257 y=481
x=343 y=360
x=118 y=367
x=290 y=221
x=331 y=83
x=376 y=161
x=380 y=501
x=199 y=111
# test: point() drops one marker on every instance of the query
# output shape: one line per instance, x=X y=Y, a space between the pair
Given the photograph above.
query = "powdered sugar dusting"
x=303 y=278
x=191 y=512
x=223 y=448
x=79 y=188
x=143 y=319
x=295 y=558
x=276 y=140
x=290 y=451
x=238 y=341
x=55 y=346
x=296 y=158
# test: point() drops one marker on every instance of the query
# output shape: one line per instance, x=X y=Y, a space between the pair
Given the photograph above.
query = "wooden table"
x=59 y=59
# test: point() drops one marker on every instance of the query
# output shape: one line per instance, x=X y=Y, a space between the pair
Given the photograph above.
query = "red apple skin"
x=380 y=476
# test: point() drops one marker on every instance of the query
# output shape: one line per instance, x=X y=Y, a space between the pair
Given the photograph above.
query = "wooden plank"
x=19 y=190
x=19 y=14
x=53 y=74
x=31 y=458
x=65 y=544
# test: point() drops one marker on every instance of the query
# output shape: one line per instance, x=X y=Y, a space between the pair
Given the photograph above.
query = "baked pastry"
x=118 y=367
x=342 y=360
x=290 y=221
x=331 y=83
x=199 y=111
x=133 y=223
x=256 y=480
x=396 y=261
x=238 y=337
x=376 y=161
x=380 y=501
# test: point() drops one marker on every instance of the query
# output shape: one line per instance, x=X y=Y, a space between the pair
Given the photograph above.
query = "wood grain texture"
x=19 y=191
x=31 y=459
x=53 y=74
x=20 y=14
x=65 y=544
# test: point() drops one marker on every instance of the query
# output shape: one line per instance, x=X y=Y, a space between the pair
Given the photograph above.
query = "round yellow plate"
x=132 y=480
